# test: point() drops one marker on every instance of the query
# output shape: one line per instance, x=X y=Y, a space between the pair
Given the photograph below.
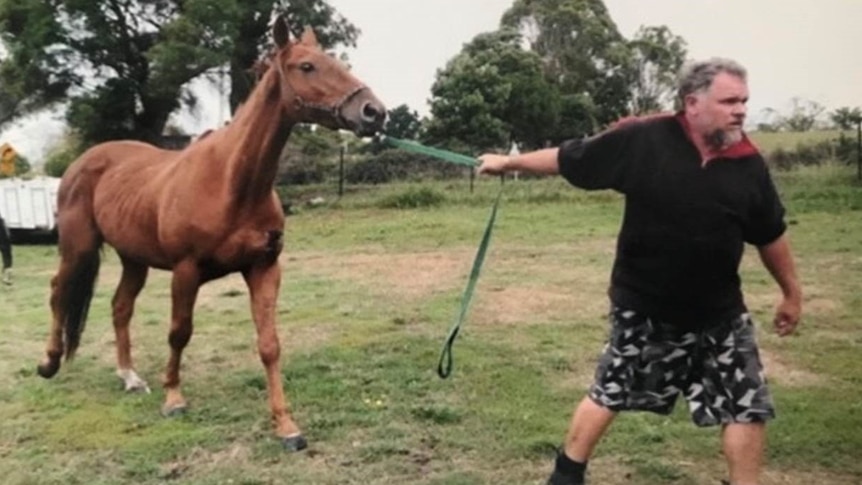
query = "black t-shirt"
x=685 y=223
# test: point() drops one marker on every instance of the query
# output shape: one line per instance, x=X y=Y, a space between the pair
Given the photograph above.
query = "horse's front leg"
x=184 y=292
x=263 y=284
x=131 y=282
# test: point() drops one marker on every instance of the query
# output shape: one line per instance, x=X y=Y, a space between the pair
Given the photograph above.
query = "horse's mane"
x=261 y=66
x=258 y=69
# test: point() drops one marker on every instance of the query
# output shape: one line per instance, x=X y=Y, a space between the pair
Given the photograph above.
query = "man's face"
x=718 y=113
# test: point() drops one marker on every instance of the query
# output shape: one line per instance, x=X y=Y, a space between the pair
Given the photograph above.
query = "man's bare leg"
x=743 y=445
x=589 y=423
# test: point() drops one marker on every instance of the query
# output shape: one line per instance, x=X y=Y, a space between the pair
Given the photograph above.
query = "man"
x=696 y=190
x=6 y=251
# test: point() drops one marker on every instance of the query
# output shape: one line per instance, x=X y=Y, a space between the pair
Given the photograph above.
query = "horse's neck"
x=255 y=139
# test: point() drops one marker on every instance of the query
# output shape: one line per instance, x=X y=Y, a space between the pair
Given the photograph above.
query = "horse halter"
x=334 y=111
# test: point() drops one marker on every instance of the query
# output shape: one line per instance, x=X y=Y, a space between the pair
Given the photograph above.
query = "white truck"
x=29 y=205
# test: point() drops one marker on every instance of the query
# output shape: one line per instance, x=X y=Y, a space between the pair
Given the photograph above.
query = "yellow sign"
x=7 y=159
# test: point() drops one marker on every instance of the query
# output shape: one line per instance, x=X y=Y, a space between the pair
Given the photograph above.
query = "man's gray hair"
x=698 y=76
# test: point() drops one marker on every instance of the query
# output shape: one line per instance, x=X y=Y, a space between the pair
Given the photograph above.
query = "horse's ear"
x=308 y=37
x=280 y=32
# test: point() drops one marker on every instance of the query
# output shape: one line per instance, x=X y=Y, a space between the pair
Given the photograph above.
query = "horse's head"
x=320 y=88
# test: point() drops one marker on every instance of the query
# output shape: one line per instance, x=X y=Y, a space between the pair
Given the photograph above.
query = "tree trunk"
x=245 y=53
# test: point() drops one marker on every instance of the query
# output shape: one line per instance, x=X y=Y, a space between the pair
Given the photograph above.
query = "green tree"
x=252 y=39
x=62 y=154
x=30 y=78
x=492 y=93
x=310 y=155
x=583 y=54
x=123 y=66
x=22 y=167
x=803 y=115
x=846 y=118
x=658 y=55
x=403 y=123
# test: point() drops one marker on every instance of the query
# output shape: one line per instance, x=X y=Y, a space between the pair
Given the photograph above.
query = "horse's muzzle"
x=363 y=113
x=372 y=119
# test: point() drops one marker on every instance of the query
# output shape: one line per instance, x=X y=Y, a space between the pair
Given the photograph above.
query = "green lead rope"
x=446 y=155
x=444 y=366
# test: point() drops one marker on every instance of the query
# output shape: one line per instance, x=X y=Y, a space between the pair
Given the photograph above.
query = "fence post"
x=859 y=148
x=341 y=170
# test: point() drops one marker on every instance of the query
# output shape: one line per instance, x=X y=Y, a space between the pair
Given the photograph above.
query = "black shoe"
x=558 y=478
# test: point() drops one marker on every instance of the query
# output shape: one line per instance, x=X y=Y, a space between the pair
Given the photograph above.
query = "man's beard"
x=720 y=139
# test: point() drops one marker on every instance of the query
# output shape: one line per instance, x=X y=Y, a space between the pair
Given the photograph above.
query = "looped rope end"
x=444 y=367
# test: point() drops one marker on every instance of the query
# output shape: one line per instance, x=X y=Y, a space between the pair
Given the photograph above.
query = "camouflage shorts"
x=646 y=364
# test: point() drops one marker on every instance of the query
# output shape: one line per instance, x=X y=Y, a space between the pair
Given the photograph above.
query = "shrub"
x=413 y=198
x=373 y=170
x=59 y=160
x=845 y=149
x=805 y=154
x=400 y=165
x=302 y=174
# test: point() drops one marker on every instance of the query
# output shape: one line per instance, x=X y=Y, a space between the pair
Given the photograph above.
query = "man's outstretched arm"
x=540 y=161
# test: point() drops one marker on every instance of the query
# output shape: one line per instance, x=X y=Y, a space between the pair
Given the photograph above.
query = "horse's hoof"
x=48 y=370
x=174 y=411
x=294 y=443
x=142 y=388
x=132 y=382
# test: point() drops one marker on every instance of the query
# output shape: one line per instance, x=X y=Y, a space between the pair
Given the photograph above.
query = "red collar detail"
x=743 y=148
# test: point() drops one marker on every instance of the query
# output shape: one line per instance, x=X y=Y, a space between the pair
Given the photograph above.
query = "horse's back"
x=125 y=160
x=113 y=154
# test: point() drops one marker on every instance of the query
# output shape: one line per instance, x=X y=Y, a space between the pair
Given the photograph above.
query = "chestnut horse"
x=202 y=213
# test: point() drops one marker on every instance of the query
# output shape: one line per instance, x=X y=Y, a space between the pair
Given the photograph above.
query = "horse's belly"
x=139 y=249
x=132 y=232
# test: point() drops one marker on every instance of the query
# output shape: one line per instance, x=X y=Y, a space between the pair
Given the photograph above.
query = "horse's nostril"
x=371 y=112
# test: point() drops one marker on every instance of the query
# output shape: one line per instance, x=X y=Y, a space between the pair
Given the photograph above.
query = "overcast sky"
x=792 y=48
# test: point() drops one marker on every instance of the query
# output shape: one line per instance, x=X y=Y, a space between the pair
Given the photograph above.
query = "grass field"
x=368 y=296
x=768 y=142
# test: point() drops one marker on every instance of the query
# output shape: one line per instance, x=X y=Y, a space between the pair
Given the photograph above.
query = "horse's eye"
x=306 y=67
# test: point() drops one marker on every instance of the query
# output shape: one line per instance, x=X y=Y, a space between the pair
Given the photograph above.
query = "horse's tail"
x=78 y=295
x=79 y=244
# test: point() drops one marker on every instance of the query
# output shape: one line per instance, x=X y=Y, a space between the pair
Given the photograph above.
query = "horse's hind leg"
x=132 y=280
x=184 y=292
x=54 y=348
x=71 y=288
x=263 y=283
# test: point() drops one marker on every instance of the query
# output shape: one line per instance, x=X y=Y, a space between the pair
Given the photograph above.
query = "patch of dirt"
x=715 y=471
x=777 y=370
x=232 y=284
x=797 y=477
x=406 y=275
x=295 y=339
x=815 y=301
x=517 y=304
x=200 y=460
x=418 y=276
x=612 y=471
